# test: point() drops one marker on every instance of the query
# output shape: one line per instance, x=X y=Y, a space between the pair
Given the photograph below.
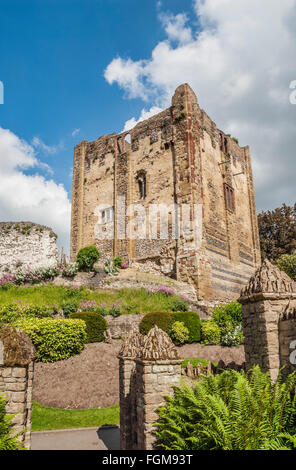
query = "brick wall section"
x=16 y=380
x=148 y=369
x=269 y=310
x=185 y=162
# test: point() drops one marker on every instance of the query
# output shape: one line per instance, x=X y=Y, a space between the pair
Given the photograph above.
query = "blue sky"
x=77 y=69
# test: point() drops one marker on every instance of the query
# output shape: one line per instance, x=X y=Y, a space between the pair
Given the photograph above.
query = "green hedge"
x=96 y=325
x=165 y=321
x=54 y=339
x=192 y=322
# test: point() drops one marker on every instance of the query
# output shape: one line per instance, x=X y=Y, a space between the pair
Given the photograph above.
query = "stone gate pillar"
x=17 y=356
x=264 y=305
x=155 y=369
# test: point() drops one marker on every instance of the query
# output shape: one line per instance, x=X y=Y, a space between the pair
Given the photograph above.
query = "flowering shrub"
x=70 y=270
x=115 y=310
x=29 y=275
x=162 y=289
x=124 y=266
x=87 y=306
x=232 y=335
x=102 y=309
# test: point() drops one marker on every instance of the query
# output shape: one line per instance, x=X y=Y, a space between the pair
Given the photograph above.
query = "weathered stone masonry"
x=149 y=367
x=269 y=319
x=26 y=243
x=176 y=157
x=17 y=356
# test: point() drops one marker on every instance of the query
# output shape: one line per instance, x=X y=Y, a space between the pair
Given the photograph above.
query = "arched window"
x=142 y=188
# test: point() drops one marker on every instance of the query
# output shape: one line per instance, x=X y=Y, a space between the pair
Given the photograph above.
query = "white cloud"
x=75 y=132
x=31 y=197
x=144 y=115
x=239 y=61
x=38 y=144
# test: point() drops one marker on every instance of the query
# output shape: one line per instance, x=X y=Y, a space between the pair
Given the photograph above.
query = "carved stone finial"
x=18 y=349
x=157 y=345
x=269 y=279
x=289 y=311
x=132 y=344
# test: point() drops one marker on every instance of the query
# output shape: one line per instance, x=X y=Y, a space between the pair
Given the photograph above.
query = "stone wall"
x=185 y=159
x=16 y=380
x=269 y=319
x=26 y=243
x=149 y=366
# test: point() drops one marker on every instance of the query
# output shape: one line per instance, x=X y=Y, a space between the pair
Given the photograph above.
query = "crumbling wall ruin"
x=27 y=243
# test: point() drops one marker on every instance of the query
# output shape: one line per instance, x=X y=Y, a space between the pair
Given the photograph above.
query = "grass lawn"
x=131 y=300
x=45 y=418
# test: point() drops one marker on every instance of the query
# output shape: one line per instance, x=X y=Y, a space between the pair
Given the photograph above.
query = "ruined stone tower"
x=179 y=165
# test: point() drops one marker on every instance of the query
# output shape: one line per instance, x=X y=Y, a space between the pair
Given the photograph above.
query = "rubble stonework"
x=149 y=366
x=26 y=243
x=16 y=380
x=183 y=159
x=269 y=319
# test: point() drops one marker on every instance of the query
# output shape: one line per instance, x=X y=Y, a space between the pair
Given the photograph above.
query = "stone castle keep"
x=177 y=157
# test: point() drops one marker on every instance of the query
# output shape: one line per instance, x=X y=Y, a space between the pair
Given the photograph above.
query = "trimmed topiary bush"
x=163 y=320
x=210 y=332
x=87 y=257
x=96 y=325
x=192 y=322
x=54 y=339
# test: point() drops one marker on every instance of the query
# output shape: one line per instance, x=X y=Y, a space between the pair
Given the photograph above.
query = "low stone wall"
x=26 y=243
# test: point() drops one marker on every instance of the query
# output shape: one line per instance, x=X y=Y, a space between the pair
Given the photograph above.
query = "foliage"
x=87 y=306
x=192 y=322
x=179 y=333
x=232 y=335
x=117 y=261
x=69 y=270
x=45 y=418
x=229 y=411
x=195 y=361
x=163 y=320
x=277 y=231
x=227 y=313
x=7 y=442
x=110 y=267
x=132 y=300
x=179 y=305
x=12 y=312
x=54 y=339
x=87 y=257
x=96 y=325
x=115 y=309
x=287 y=263
x=69 y=307
x=210 y=332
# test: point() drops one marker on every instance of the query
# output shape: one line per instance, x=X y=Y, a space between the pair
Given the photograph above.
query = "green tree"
x=277 y=231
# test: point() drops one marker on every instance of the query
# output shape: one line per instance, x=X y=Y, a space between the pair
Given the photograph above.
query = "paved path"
x=104 y=438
